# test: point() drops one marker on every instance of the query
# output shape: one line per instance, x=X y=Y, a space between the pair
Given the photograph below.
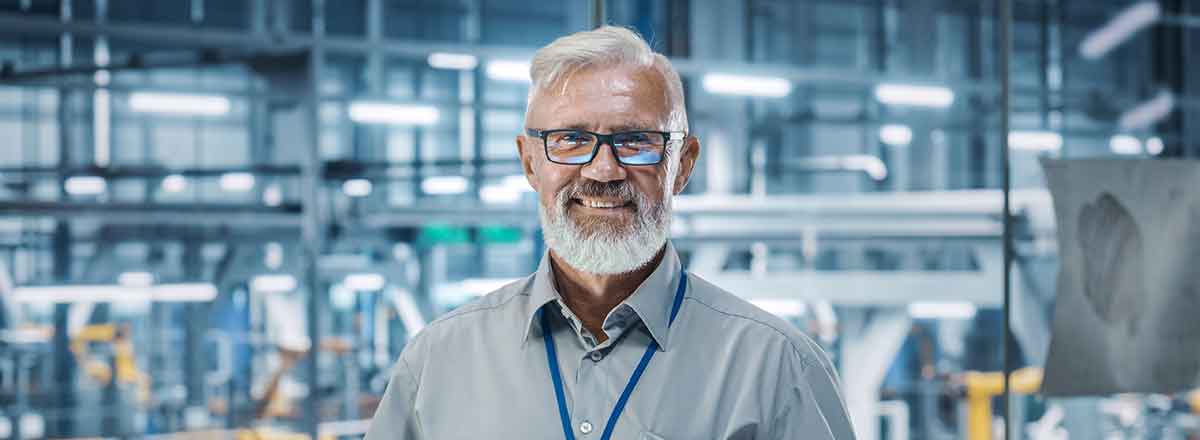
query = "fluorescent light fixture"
x=941 y=310
x=919 y=96
x=102 y=127
x=499 y=195
x=453 y=61
x=1125 y=144
x=237 y=182
x=1154 y=145
x=871 y=165
x=1119 y=29
x=85 y=185
x=357 y=187
x=517 y=182
x=761 y=86
x=443 y=185
x=273 y=283
x=182 y=292
x=174 y=183
x=506 y=70
x=364 y=281
x=1035 y=140
x=373 y=112
x=179 y=103
x=784 y=308
x=896 y=135
x=1149 y=112
x=135 y=279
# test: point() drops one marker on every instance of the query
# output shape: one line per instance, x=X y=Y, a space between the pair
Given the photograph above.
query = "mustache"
x=618 y=189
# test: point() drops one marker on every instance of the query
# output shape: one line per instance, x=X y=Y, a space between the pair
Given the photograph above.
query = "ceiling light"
x=920 y=96
x=272 y=195
x=452 y=61
x=85 y=185
x=443 y=185
x=499 y=195
x=179 y=103
x=357 y=187
x=1154 y=145
x=1119 y=29
x=181 y=292
x=517 y=182
x=871 y=165
x=237 y=182
x=1035 y=140
x=941 y=310
x=135 y=279
x=504 y=70
x=761 y=86
x=364 y=281
x=1125 y=144
x=1149 y=112
x=174 y=183
x=896 y=135
x=372 y=112
x=273 y=283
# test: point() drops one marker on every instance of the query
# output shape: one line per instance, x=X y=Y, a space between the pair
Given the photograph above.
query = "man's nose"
x=604 y=167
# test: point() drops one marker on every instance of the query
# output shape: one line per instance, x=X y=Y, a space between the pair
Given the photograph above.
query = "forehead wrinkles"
x=645 y=87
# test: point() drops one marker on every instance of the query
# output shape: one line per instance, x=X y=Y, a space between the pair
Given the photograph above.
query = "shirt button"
x=596 y=356
x=585 y=427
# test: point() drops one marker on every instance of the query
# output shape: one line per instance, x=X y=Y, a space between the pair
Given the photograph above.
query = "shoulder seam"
x=458 y=313
x=805 y=360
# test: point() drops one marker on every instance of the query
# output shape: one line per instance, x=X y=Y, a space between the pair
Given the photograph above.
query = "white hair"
x=609 y=250
x=606 y=46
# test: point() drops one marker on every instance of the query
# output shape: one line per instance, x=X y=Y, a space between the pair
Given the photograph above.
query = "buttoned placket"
x=595 y=394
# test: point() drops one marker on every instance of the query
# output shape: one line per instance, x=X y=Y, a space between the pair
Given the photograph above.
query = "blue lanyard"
x=556 y=377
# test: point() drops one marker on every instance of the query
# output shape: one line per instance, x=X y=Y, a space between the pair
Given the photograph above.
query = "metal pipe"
x=1005 y=29
x=597 y=14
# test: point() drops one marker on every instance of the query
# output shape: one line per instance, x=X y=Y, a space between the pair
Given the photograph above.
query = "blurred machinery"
x=226 y=218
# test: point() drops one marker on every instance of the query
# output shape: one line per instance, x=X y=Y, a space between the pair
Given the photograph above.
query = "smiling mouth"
x=602 y=204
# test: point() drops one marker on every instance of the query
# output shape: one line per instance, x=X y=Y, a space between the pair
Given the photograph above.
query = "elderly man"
x=610 y=338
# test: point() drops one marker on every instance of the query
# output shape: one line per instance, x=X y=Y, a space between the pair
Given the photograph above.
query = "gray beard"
x=607 y=249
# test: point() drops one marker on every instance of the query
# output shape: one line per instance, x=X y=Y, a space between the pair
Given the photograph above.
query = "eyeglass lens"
x=579 y=147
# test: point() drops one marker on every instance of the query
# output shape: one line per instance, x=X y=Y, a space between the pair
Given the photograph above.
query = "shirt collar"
x=651 y=301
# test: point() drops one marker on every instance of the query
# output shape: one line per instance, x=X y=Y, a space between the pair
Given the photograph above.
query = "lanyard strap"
x=556 y=377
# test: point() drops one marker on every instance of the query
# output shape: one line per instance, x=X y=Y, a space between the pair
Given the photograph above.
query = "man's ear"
x=689 y=153
x=526 y=161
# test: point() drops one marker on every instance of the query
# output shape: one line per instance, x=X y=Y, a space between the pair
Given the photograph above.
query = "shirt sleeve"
x=396 y=416
x=812 y=406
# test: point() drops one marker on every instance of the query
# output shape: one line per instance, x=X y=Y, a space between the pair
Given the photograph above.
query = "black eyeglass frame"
x=604 y=139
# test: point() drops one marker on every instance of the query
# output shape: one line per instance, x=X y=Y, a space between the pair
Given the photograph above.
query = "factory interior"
x=225 y=218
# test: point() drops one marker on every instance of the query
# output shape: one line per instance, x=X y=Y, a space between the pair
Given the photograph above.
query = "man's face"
x=604 y=201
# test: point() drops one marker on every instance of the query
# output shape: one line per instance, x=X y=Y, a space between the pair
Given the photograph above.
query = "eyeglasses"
x=579 y=147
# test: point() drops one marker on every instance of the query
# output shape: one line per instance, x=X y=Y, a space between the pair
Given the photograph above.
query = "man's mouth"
x=599 y=203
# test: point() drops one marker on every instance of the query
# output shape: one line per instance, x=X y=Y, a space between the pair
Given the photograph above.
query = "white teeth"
x=599 y=204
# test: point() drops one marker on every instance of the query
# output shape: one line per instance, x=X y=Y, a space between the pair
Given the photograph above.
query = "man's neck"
x=591 y=297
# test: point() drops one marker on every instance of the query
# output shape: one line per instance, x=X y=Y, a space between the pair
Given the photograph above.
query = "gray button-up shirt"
x=725 y=370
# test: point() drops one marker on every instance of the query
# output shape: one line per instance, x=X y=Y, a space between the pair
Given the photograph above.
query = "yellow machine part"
x=982 y=387
x=124 y=355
